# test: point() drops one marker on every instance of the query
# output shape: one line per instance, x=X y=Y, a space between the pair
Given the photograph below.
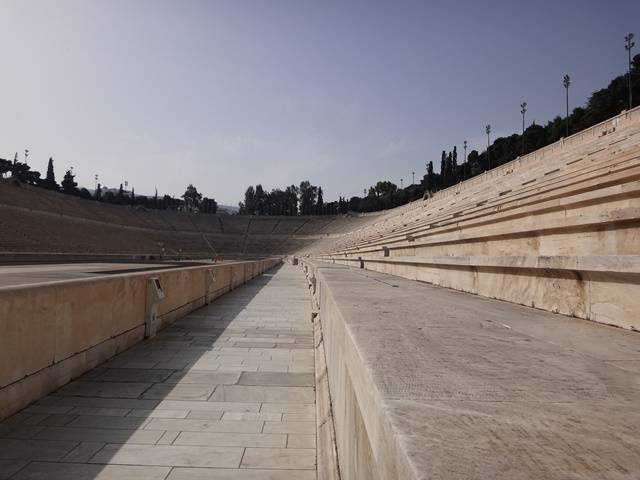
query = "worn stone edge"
x=328 y=467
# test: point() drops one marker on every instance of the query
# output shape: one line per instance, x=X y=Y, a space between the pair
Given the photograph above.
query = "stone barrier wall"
x=52 y=333
x=366 y=444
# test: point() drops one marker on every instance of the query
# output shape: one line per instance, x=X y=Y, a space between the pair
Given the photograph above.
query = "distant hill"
x=228 y=209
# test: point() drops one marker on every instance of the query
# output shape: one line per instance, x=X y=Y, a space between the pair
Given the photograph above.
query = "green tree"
x=454 y=166
x=291 y=200
x=208 y=205
x=69 y=186
x=248 y=207
x=23 y=173
x=168 y=203
x=261 y=201
x=50 y=180
x=120 y=195
x=277 y=202
x=191 y=198
x=308 y=194
x=430 y=179
x=5 y=166
x=319 y=202
x=443 y=170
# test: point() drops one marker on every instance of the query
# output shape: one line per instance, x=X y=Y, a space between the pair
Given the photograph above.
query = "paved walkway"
x=225 y=393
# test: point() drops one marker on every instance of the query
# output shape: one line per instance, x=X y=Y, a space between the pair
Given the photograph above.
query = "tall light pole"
x=96 y=179
x=464 y=161
x=566 y=81
x=488 y=130
x=630 y=44
x=413 y=178
x=400 y=184
x=26 y=156
x=523 y=110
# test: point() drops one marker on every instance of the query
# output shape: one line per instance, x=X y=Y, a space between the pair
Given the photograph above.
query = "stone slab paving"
x=226 y=393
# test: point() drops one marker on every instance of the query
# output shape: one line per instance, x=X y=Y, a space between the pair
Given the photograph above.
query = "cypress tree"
x=50 y=180
x=454 y=166
x=443 y=170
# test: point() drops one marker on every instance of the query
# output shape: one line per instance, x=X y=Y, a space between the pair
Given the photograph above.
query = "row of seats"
x=556 y=229
x=37 y=220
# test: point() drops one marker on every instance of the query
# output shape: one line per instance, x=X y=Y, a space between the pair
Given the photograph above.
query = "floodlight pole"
x=566 y=81
x=464 y=163
x=523 y=110
x=488 y=130
x=413 y=178
x=630 y=44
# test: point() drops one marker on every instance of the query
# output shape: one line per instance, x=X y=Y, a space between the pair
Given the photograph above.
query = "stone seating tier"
x=558 y=229
x=34 y=220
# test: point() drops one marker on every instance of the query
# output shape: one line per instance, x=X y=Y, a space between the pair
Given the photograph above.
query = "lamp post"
x=464 y=162
x=26 y=156
x=400 y=184
x=413 y=178
x=630 y=44
x=566 y=81
x=95 y=177
x=488 y=130
x=523 y=110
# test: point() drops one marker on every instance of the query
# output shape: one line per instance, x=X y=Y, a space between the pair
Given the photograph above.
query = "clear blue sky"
x=224 y=94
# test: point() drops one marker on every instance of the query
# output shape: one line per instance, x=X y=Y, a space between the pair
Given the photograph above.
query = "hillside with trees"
x=308 y=199
x=191 y=201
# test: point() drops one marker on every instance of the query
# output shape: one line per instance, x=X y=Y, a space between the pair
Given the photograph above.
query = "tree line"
x=307 y=199
x=601 y=105
x=190 y=201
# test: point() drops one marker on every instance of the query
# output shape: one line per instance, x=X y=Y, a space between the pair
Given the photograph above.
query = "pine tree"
x=68 y=184
x=443 y=170
x=50 y=180
x=448 y=170
x=319 y=202
x=454 y=166
x=120 y=196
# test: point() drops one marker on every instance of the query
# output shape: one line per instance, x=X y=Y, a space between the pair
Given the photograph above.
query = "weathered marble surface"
x=430 y=383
